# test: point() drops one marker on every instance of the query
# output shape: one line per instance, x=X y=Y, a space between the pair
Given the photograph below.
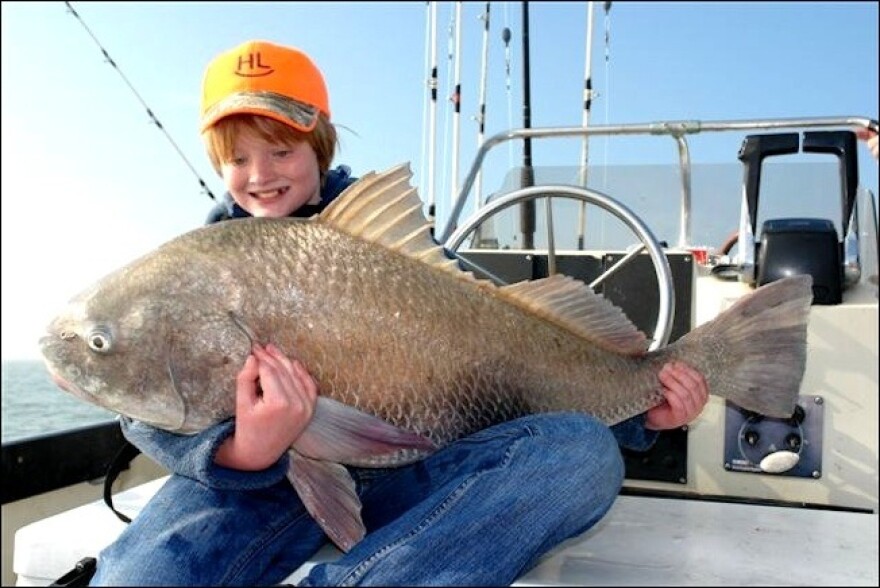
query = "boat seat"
x=791 y=246
x=643 y=541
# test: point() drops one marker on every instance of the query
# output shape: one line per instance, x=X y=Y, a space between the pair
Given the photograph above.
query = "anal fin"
x=328 y=493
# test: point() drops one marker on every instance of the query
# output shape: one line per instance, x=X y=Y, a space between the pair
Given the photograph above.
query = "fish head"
x=154 y=341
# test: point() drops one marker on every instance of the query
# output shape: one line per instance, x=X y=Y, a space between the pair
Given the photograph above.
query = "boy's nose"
x=261 y=170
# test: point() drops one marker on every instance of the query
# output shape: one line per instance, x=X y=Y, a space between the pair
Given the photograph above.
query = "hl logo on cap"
x=250 y=65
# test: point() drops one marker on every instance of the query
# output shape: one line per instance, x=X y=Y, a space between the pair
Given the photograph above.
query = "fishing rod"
x=484 y=232
x=505 y=37
x=585 y=146
x=432 y=116
x=456 y=102
x=152 y=116
x=481 y=113
x=445 y=142
x=527 y=209
x=607 y=6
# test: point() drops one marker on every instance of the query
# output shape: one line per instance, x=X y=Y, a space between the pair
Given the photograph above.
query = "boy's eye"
x=283 y=152
x=237 y=161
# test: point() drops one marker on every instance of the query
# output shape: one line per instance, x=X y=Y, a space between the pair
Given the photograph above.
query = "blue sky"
x=89 y=183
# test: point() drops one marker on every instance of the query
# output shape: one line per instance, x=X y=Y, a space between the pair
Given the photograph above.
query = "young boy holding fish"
x=480 y=511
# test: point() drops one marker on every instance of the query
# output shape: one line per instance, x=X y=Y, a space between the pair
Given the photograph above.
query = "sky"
x=89 y=182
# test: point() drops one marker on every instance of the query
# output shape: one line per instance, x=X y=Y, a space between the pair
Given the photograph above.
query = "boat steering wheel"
x=666 y=309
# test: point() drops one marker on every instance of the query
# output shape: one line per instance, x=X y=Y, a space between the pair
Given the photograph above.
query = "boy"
x=480 y=511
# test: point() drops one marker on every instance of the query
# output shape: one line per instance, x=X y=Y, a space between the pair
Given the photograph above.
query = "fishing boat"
x=735 y=498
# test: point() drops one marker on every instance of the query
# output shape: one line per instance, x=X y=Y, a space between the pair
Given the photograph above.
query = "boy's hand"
x=686 y=394
x=870 y=138
x=275 y=400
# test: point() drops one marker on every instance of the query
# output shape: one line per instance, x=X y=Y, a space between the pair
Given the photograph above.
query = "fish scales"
x=421 y=348
x=417 y=346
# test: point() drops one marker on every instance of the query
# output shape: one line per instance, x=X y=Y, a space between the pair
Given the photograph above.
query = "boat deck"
x=642 y=541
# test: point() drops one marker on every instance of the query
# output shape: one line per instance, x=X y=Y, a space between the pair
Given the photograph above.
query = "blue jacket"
x=193 y=455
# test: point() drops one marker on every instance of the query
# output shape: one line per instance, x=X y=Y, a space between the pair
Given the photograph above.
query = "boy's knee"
x=586 y=453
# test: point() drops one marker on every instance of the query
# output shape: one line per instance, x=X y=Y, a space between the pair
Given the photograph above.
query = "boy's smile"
x=266 y=194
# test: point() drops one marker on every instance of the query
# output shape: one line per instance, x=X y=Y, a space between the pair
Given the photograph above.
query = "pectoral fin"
x=328 y=493
x=342 y=434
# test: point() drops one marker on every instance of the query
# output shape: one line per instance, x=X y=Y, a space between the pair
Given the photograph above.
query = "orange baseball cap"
x=259 y=77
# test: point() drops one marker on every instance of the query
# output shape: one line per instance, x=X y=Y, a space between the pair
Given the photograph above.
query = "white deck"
x=643 y=541
x=660 y=541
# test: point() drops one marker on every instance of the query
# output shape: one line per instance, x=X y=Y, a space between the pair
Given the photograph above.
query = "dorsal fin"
x=385 y=209
x=573 y=305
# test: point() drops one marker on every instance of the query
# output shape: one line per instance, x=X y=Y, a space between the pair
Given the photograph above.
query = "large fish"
x=410 y=353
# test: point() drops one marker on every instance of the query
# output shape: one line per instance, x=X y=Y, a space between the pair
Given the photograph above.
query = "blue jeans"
x=481 y=511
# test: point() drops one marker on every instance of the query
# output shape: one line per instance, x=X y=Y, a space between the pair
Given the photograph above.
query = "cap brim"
x=298 y=115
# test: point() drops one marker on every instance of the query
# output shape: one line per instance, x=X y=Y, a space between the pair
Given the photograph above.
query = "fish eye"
x=99 y=341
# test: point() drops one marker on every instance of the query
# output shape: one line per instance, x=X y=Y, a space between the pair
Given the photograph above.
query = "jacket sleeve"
x=632 y=434
x=193 y=455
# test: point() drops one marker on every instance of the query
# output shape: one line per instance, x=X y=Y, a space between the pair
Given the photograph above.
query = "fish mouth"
x=65 y=385
x=68 y=386
x=48 y=346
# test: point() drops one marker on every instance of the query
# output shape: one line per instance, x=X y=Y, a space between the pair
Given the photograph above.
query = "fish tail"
x=754 y=353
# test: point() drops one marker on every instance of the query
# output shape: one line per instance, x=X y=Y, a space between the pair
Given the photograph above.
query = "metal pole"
x=527 y=209
x=432 y=126
x=588 y=100
x=456 y=100
x=481 y=115
x=485 y=232
x=673 y=128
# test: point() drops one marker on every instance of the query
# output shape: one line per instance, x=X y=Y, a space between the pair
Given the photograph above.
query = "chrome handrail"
x=676 y=129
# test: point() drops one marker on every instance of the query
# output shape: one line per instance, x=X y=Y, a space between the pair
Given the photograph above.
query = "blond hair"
x=220 y=137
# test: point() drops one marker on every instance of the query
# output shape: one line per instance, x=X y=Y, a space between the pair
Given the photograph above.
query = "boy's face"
x=270 y=179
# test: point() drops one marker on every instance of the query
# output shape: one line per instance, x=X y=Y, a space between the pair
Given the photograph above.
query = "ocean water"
x=33 y=405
